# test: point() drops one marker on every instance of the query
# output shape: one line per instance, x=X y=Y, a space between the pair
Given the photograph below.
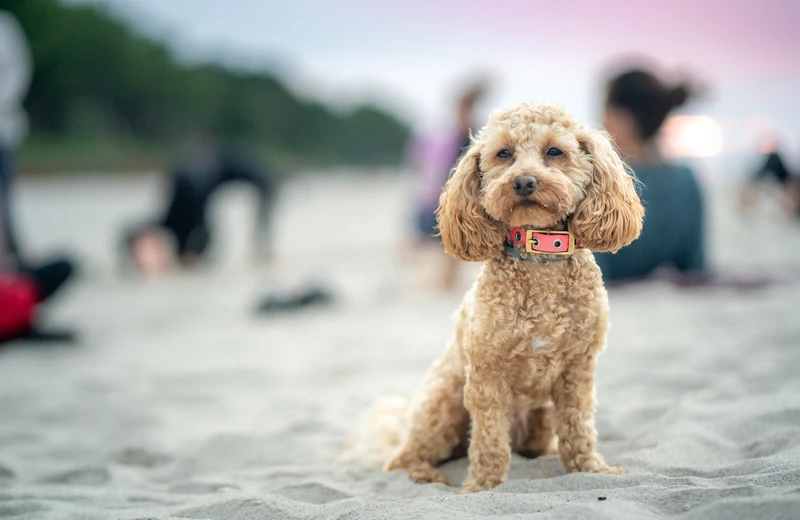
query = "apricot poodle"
x=532 y=197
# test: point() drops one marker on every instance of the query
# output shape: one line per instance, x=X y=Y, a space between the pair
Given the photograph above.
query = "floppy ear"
x=610 y=217
x=468 y=233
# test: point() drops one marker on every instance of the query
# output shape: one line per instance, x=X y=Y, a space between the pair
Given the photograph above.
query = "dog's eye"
x=505 y=153
x=554 y=152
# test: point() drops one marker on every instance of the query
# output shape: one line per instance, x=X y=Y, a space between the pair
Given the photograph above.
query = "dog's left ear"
x=610 y=217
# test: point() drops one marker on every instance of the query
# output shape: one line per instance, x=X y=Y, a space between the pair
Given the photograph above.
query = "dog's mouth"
x=529 y=211
x=539 y=209
x=529 y=203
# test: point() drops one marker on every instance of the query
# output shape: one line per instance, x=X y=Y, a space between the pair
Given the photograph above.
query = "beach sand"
x=180 y=402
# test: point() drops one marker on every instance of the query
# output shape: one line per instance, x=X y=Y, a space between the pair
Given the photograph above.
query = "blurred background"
x=221 y=213
x=318 y=83
x=299 y=149
x=306 y=143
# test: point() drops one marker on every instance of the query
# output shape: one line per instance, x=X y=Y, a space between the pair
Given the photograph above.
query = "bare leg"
x=573 y=395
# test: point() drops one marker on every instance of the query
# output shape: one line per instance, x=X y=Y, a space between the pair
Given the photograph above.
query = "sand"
x=181 y=403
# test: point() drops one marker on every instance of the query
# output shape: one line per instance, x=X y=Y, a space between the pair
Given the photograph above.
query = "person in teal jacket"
x=637 y=104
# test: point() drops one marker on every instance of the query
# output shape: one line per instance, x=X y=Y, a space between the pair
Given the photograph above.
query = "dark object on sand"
x=711 y=280
x=21 y=295
x=183 y=230
x=54 y=335
x=294 y=300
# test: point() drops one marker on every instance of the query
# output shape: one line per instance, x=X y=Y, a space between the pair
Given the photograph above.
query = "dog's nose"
x=524 y=185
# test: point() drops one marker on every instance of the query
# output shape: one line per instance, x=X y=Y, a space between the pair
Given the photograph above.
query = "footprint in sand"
x=92 y=476
x=141 y=457
x=312 y=493
x=18 y=508
x=199 y=488
x=5 y=472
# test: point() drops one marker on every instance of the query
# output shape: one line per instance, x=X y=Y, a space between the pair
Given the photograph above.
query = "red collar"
x=537 y=242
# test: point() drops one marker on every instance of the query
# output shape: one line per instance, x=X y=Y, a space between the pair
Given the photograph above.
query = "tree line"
x=97 y=78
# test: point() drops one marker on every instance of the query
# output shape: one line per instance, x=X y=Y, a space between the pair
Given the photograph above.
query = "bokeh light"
x=692 y=136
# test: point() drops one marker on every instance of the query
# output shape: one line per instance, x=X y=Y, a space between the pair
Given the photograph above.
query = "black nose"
x=524 y=185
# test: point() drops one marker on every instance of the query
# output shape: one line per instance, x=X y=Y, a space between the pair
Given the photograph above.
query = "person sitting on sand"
x=772 y=169
x=637 y=104
x=24 y=283
x=201 y=170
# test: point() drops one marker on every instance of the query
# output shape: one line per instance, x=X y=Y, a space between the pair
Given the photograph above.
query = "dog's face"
x=534 y=166
x=533 y=170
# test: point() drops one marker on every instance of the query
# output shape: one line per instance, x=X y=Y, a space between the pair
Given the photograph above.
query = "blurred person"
x=183 y=232
x=24 y=284
x=15 y=76
x=774 y=171
x=637 y=104
x=431 y=157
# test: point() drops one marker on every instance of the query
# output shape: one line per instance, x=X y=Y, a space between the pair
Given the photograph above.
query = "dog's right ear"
x=468 y=233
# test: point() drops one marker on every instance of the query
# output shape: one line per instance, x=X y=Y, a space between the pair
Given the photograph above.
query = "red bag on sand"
x=18 y=298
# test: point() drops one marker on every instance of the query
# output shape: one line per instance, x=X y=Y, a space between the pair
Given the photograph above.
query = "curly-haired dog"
x=532 y=197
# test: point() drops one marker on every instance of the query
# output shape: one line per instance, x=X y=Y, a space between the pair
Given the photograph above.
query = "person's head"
x=637 y=104
x=468 y=100
x=150 y=251
x=768 y=143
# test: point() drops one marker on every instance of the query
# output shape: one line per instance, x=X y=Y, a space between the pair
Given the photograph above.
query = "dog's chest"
x=543 y=323
x=540 y=344
x=540 y=355
x=537 y=320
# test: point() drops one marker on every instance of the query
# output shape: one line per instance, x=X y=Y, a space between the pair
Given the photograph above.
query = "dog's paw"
x=466 y=490
x=593 y=464
x=602 y=468
x=474 y=485
x=427 y=474
x=611 y=470
x=417 y=471
x=393 y=464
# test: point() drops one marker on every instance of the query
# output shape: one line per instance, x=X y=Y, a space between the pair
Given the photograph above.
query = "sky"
x=412 y=56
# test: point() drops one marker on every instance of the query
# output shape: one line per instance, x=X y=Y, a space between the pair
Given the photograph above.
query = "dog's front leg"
x=488 y=399
x=573 y=395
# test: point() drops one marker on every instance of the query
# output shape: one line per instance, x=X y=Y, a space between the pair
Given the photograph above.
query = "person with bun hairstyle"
x=637 y=104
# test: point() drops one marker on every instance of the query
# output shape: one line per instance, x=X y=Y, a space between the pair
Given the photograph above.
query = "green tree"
x=96 y=79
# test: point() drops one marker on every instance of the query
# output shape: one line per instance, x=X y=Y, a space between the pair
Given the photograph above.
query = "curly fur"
x=519 y=371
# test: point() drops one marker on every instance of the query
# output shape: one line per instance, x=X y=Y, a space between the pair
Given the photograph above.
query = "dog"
x=532 y=197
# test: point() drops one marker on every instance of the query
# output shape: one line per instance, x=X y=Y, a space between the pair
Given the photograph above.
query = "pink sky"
x=410 y=55
x=730 y=33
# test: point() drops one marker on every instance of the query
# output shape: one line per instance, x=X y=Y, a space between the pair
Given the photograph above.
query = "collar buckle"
x=550 y=242
x=542 y=242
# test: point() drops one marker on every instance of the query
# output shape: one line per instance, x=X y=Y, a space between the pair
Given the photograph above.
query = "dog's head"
x=534 y=166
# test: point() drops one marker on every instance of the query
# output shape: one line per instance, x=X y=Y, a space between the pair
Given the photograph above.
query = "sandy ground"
x=179 y=402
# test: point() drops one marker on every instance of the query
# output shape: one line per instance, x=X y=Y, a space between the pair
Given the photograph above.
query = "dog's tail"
x=380 y=432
